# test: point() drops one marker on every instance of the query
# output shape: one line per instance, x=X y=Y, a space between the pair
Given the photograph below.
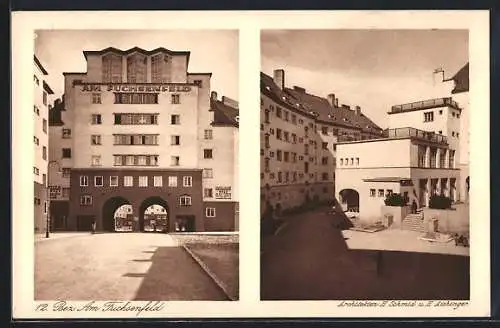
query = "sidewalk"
x=57 y=235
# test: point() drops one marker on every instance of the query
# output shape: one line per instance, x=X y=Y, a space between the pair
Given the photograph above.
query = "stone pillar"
x=427 y=192
x=448 y=188
x=428 y=156
x=438 y=157
x=447 y=159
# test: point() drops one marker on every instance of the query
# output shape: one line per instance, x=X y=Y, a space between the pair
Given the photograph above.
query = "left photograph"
x=136 y=165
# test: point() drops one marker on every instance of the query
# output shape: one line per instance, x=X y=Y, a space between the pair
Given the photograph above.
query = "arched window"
x=112 y=68
x=136 y=68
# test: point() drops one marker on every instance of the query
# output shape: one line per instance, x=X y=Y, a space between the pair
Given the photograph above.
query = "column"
x=438 y=158
x=448 y=188
x=428 y=156
x=427 y=192
x=447 y=159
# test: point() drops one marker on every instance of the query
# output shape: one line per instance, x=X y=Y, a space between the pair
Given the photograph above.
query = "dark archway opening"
x=154 y=215
x=350 y=199
x=112 y=216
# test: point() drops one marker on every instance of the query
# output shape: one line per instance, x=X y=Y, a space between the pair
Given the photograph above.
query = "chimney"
x=331 y=99
x=213 y=95
x=279 y=78
x=346 y=106
x=358 y=111
x=299 y=89
x=336 y=102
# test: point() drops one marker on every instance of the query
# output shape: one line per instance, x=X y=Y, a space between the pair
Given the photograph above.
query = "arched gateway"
x=153 y=215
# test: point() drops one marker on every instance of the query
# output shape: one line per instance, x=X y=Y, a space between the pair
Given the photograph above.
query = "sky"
x=213 y=51
x=374 y=69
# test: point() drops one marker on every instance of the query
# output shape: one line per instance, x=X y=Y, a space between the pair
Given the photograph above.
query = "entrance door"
x=84 y=222
x=184 y=223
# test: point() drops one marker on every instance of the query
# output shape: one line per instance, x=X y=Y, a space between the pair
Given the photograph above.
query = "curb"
x=205 y=268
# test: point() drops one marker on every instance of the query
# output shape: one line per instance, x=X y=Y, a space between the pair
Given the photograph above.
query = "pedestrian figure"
x=414 y=207
x=93 y=227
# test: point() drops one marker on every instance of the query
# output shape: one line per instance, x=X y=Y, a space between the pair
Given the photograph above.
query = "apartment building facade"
x=42 y=102
x=138 y=129
x=299 y=133
x=418 y=156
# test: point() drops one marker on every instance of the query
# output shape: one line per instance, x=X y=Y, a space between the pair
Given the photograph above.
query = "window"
x=96 y=160
x=306 y=167
x=136 y=119
x=208 y=193
x=324 y=176
x=112 y=68
x=36 y=140
x=135 y=160
x=266 y=116
x=286 y=156
x=451 y=159
x=381 y=192
x=389 y=192
x=324 y=160
x=98 y=181
x=185 y=200
x=279 y=154
x=95 y=139
x=286 y=115
x=207 y=153
x=37 y=81
x=66 y=133
x=158 y=181
x=65 y=192
x=136 y=98
x=36 y=110
x=45 y=98
x=441 y=112
x=294 y=119
x=278 y=112
x=44 y=152
x=136 y=139
x=208 y=173
x=128 y=181
x=172 y=181
x=96 y=119
x=266 y=141
x=44 y=179
x=280 y=177
x=159 y=71
x=452 y=113
x=136 y=68
x=372 y=192
x=306 y=149
x=208 y=135
x=66 y=152
x=278 y=134
x=457 y=134
x=143 y=181
x=175 y=140
x=442 y=158
x=44 y=125
x=210 y=212
x=325 y=145
x=324 y=130
x=66 y=172
x=266 y=164
x=428 y=116
x=357 y=160
x=433 y=158
x=176 y=99
x=187 y=181
x=113 y=181
x=198 y=83
x=96 y=98
x=341 y=161
x=352 y=161
x=175 y=119
x=84 y=181
x=286 y=136
x=174 y=161
x=85 y=200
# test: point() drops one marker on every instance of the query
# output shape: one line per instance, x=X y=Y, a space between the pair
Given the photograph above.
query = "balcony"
x=414 y=133
x=425 y=104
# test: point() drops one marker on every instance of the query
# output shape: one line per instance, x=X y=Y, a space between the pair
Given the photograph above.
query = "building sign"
x=153 y=88
x=54 y=191
x=222 y=192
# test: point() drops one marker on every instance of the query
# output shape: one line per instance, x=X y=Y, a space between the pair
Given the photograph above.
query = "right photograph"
x=364 y=165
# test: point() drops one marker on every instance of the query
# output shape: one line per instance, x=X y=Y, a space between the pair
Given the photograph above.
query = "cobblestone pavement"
x=310 y=259
x=119 y=266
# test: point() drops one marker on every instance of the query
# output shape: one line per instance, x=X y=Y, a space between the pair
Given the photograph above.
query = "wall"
x=224 y=219
x=398 y=214
x=455 y=220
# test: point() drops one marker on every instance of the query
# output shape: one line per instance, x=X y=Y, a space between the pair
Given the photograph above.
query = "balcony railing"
x=414 y=133
x=431 y=103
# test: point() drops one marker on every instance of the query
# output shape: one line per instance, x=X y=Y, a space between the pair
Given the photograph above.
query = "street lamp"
x=47 y=202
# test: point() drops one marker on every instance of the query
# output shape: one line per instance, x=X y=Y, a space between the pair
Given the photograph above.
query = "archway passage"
x=153 y=215
x=350 y=199
x=117 y=215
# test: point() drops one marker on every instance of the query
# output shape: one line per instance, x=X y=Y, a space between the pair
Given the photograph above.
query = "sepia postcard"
x=348 y=194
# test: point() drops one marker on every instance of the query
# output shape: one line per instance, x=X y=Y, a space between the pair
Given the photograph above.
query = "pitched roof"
x=461 y=79
x=316 y=107
x=223 y=114
x=40 y=66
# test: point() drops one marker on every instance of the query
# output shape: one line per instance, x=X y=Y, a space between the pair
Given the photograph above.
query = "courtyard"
x=132 y=266
x=309 y=258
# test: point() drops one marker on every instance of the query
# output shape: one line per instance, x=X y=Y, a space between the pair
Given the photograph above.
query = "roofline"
x=40 y=66
x=47 y=88
x=136 y=49
x=391 y=139
x=208 y=73
x=73 y=73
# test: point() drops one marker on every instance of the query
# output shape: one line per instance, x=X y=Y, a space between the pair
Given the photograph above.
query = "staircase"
x=414 y=222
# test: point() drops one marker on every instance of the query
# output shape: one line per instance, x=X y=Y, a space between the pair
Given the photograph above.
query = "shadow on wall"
x=312 y=261
x=174 y=275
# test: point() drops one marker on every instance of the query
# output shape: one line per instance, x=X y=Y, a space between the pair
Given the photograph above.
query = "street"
x=309 y=259
x=119 y=266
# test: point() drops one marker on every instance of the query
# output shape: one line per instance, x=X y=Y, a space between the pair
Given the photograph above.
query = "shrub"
x=395 y=200
x=440 y=202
